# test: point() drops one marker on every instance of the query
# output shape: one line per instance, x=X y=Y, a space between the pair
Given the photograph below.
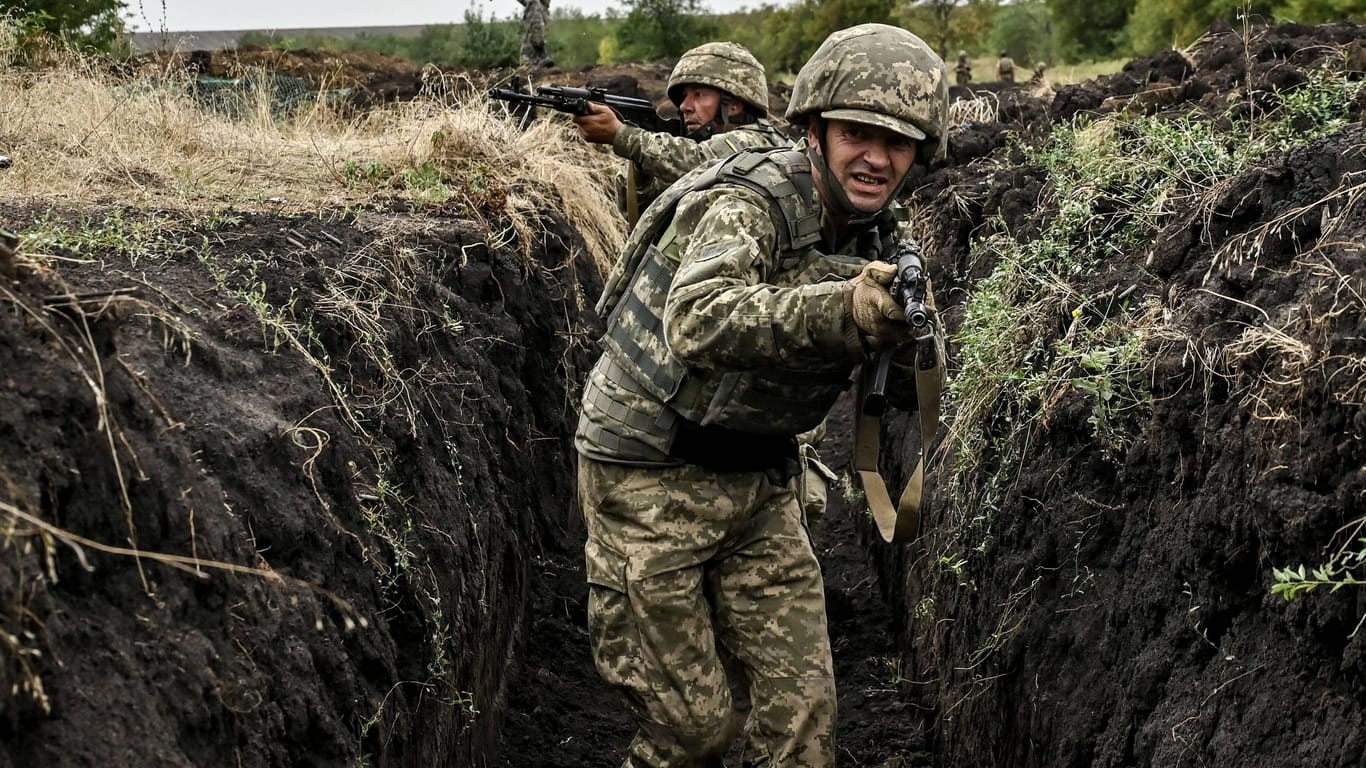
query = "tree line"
x=782 y=36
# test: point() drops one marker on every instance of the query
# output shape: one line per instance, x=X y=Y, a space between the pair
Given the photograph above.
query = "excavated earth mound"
x=298 y=490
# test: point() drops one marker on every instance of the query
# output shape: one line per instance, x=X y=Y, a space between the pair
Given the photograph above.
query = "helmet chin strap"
x=721 y=121
x=703 y=133
x=834 y=192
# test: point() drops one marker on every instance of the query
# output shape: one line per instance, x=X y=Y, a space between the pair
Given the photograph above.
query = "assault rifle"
x=909 y=288
x=638 y=112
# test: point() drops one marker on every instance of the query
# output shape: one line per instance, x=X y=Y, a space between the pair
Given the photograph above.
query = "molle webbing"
x=792 y=193
x=703 y=397
x=654 y=429
x=657 y=276
x=638 y=309
x=635 y=300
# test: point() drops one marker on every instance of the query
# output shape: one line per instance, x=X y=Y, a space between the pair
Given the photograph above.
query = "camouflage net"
x=241 y=96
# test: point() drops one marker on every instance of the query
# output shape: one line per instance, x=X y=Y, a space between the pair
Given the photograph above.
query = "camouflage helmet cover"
x=726 y=66
x=876 y=74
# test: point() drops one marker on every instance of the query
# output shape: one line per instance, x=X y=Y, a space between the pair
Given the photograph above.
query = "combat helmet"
x=726 y=66
x=881 y=75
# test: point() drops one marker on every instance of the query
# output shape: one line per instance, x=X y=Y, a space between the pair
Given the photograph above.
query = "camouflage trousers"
x=680 y=560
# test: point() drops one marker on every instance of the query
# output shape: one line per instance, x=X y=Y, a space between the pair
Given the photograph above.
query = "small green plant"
x=851 y=491
x=368 y=172
x=1317 y=108
x=450 y=323
x=112 y=232
x=468 y=711
x=895 y=676
x=1341 y=570
x=426 y=184
x=953 y=564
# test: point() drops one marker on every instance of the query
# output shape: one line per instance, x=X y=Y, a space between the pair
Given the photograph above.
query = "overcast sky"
x=206 y=15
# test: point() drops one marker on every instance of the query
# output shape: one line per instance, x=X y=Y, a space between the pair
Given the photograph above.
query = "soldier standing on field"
x=535 y=14
x=963 y=71
x=1005 y=68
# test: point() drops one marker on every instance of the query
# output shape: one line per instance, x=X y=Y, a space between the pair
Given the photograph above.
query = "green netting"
x=240 y=96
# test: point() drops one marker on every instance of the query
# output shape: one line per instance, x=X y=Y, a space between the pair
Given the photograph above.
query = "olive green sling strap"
x=632 y=195
x=902 y=522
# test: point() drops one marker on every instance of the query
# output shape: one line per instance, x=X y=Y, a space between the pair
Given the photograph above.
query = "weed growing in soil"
x=1036 y=331
x=1346 y=567
x=1059 y=328
x=111 y=232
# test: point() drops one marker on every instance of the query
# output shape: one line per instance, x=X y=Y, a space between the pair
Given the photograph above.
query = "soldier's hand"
x=599 y=126
x=870 y=306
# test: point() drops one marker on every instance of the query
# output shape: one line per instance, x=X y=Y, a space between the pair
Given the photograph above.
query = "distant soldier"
x=1005 y=68
x=1037 y=77
x=963 y=70
x=534 y=13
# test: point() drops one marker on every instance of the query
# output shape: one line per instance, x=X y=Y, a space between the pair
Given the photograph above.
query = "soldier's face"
x=867 y=161
x=700 y=103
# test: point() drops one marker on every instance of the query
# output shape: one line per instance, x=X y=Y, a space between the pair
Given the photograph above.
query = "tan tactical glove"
x=871 y=308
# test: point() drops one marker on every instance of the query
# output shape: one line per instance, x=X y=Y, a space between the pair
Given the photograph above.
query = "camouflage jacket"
x=661 y=159
x=749 y=333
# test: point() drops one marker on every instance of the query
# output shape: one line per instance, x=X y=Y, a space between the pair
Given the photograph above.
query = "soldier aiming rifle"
x=577 y=101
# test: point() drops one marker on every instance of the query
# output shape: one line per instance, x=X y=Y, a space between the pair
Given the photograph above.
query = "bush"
x=488 y=44
x=656 y=29
x=1022 y=30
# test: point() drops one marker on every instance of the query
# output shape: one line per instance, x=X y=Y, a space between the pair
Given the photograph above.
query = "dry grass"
x=79 y=135
x=982 y=108
x=82 y=138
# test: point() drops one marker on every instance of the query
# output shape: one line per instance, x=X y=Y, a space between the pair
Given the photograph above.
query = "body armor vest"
x=774 y=401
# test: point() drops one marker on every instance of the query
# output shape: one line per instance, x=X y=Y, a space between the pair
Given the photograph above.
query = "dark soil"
x=427 y=488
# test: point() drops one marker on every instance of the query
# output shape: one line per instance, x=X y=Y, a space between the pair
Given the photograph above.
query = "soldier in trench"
x=721 y=92
x=741 y=304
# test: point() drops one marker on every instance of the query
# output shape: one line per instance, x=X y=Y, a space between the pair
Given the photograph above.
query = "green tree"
x=1094 y=29
x=1151 y=28
x=952 y=26
x=1192 y=18
x=488 y=44
x=1023 y=30
x=793 y=33
x=786 y=45
x=935 y=22
x=655 y=29
x=572 y=38
x=1316 y=11
x=89 y=23
x=970 y=26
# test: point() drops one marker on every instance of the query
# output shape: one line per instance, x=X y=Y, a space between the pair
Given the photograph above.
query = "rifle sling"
x=632 y=196
x=902 y=522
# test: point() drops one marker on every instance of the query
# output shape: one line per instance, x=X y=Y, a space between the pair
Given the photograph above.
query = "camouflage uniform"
x=728 y=334
x=963 y=70
x=660 y=159
x=1005 y=68
x=534 y=14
